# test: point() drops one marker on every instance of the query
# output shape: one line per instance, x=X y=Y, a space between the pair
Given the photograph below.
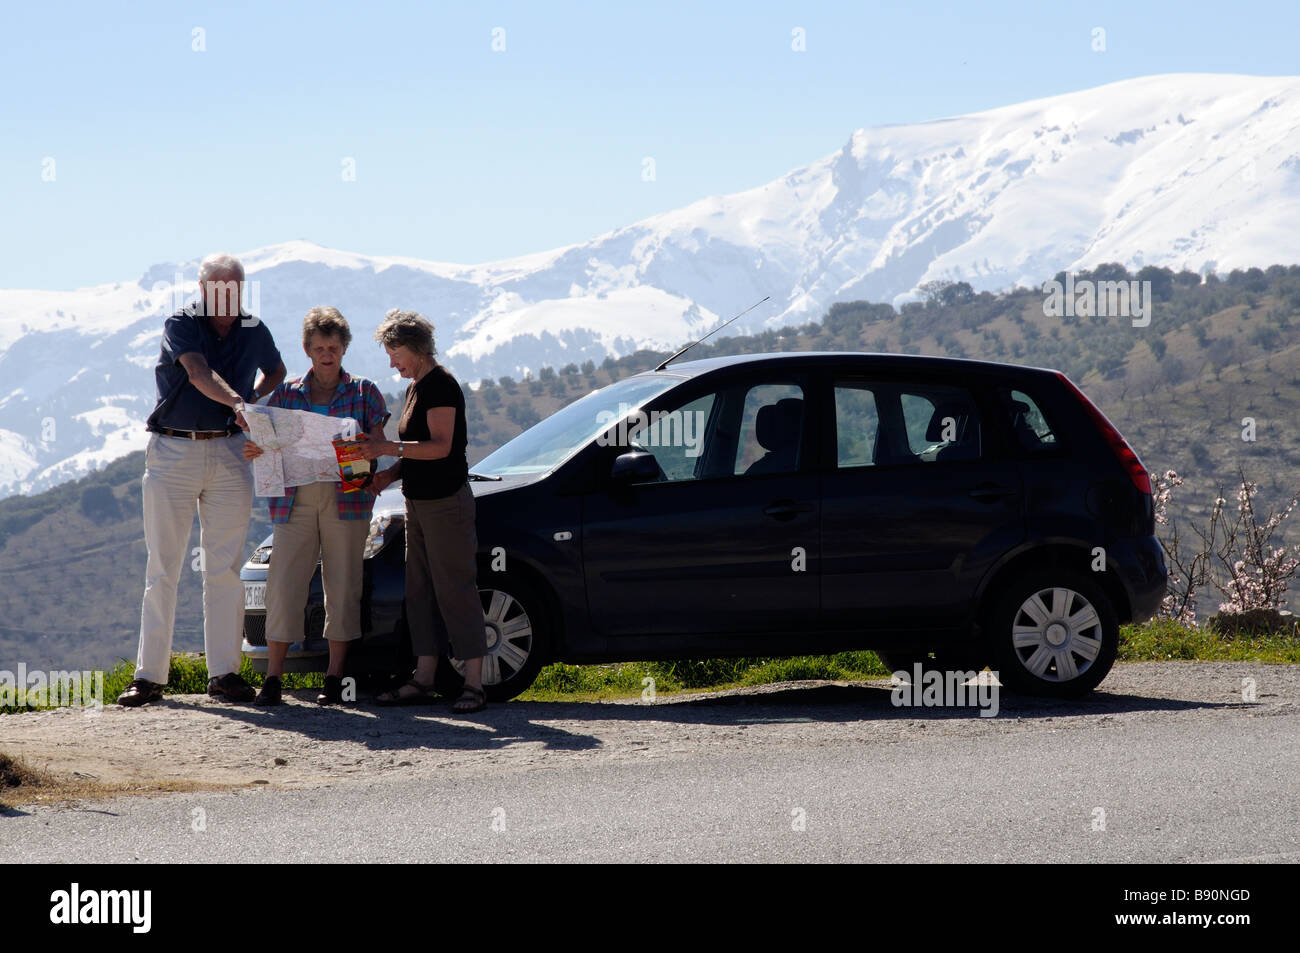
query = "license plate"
x=254 y=595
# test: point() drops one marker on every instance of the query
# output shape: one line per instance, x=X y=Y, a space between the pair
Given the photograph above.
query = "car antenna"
x=709 y=335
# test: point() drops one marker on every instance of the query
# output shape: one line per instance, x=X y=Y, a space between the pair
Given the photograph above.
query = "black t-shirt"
x=433 y=479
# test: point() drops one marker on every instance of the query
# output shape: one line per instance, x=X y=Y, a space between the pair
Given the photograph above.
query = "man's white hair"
x=223 y=265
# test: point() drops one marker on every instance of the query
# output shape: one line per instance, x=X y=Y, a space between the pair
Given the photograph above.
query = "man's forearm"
x=210 y=385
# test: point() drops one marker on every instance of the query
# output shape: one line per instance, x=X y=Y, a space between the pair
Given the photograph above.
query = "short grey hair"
x=408 y=329
x=219 y=263
x=328 y=322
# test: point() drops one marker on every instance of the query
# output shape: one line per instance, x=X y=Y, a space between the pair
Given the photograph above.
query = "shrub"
x=99 y=504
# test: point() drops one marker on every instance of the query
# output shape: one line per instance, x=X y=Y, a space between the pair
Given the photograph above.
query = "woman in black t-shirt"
x=442 y=600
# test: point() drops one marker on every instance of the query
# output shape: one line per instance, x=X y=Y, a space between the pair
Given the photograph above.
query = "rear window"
x=1030 y=429
x=882 y=424
x=941 y=423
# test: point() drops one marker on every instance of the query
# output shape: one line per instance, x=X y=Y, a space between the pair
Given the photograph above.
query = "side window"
x=771 y=430
x=942 y=423
x=676 y=438
x=857 y=425
x=1029 y=428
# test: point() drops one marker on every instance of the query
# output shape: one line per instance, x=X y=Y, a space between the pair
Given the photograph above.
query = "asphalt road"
x=817 y=775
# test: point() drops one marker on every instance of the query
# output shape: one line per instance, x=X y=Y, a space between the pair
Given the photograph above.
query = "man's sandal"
x=471 y=700
x=422 y=695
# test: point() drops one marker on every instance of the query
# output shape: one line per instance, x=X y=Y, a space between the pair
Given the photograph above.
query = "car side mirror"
x=636 y=466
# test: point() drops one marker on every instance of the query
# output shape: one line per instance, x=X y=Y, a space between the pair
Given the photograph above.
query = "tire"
x=519 y=639
x=1053 y=633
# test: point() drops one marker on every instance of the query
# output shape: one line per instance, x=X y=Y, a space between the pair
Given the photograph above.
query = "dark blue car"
x=949 y=512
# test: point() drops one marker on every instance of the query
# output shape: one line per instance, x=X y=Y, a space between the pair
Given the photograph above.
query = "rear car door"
x=918 y=501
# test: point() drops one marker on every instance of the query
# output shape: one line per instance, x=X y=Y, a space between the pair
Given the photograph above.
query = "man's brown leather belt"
x=196 y=434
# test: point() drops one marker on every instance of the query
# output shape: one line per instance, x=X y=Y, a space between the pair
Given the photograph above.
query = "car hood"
x=391 y=501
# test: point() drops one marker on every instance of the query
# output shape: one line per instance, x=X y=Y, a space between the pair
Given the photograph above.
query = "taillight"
x=1136 y=471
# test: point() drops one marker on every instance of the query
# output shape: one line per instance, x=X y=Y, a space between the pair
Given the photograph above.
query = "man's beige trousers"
x=179 y=475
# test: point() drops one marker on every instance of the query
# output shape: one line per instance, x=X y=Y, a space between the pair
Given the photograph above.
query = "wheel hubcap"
x=1056 y=634
x=509 y=634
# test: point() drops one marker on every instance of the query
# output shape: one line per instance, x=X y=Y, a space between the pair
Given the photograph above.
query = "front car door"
x=724 y=543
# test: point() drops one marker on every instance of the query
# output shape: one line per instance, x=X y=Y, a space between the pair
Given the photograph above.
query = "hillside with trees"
x=1216 y=352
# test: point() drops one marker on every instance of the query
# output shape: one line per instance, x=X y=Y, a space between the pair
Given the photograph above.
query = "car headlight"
x=381 y=530
x=261 y=556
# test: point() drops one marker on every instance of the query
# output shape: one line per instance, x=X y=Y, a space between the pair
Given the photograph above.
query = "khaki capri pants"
x=315 y=530
x=442 y=601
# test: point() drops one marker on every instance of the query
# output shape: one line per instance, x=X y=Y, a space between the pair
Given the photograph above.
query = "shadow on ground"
x=382 y=728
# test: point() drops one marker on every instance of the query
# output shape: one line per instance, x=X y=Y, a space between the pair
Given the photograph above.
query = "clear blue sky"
x=465 y=154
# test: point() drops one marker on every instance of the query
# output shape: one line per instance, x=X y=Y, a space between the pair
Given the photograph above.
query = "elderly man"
x=211 y=353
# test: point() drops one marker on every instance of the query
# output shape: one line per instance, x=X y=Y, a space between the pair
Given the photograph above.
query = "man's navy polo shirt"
x=247 y=348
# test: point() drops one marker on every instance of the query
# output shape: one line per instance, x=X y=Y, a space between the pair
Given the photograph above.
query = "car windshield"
x=549 y=443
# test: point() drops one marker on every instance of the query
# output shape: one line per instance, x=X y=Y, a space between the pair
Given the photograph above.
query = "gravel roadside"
x=194 y=742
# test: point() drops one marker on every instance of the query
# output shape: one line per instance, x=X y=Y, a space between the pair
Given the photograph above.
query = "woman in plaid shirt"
x=319 y=517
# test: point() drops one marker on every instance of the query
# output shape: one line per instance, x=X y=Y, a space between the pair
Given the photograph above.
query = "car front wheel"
x=518 y=638
x=1053 y=633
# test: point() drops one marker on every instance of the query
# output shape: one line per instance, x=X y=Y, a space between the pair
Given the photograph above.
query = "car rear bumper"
x=1141 y=567
x=298 y=659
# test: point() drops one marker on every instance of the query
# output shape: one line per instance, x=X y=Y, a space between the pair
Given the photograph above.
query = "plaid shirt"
x=355 y=397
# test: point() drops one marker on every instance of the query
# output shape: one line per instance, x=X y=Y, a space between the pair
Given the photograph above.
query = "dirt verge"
x=192 y=742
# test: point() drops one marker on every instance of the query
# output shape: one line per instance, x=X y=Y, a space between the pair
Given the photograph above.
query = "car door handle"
x=787 y=509
x=991 y=492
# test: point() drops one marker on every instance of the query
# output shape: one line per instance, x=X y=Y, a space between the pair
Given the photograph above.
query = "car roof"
x=391 y=501
x=916 y=362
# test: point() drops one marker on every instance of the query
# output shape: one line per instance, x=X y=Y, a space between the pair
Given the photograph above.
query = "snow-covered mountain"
x=1185 y=171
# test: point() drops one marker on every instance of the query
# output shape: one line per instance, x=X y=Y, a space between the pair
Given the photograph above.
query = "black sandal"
x=476 y=697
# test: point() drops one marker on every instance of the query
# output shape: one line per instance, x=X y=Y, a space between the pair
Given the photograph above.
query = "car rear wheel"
x=518 y=639
x=1053 y=633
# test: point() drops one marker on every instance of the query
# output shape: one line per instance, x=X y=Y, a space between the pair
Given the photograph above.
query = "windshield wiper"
x=483 y=476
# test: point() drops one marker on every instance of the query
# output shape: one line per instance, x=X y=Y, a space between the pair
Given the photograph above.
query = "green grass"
x=188 y=676
x=1154 y=641
x=624 y=680
x=1158 y=641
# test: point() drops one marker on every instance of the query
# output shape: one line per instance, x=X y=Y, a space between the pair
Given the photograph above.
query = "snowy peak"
x=1188 y=171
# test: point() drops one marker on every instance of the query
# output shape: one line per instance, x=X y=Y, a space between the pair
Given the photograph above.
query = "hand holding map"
x=297 y=447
